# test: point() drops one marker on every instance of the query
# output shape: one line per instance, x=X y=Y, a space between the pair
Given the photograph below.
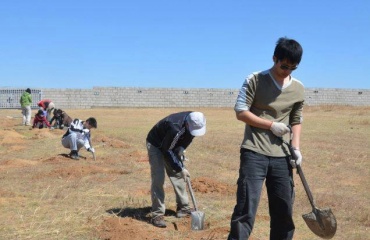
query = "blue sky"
x=179 y=44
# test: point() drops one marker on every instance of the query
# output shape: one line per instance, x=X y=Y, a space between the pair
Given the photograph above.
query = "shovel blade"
x=322 y=222
x=197 y=220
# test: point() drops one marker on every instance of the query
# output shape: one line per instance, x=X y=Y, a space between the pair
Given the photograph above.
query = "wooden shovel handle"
x=192 y=194
x=305 y=185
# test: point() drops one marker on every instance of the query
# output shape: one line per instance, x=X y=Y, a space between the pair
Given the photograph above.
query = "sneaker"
x=180 y=213
x=74 y=155
x=158 y=221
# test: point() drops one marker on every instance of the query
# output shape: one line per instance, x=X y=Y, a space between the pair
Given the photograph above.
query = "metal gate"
x=9 y=98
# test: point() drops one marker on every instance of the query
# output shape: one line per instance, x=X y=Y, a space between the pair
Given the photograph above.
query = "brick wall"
x=182 y=97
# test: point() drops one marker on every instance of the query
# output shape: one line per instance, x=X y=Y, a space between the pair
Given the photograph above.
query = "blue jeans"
x=254 y=169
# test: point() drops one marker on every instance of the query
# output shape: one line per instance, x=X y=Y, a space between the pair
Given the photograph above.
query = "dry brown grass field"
x=46 y=195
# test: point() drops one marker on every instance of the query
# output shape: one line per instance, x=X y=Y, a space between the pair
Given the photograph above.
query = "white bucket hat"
x=196 y=124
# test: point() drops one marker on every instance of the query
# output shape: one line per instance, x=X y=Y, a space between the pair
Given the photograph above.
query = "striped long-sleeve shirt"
x=77 y=126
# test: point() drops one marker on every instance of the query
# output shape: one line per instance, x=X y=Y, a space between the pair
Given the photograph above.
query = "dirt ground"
x=44 y=194
x=118 y=223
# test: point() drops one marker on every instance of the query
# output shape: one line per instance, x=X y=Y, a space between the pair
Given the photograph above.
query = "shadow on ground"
x=141 y=214
x=68 y=156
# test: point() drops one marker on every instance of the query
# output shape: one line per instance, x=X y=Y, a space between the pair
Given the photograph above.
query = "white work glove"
x=185 y=174
x=298 y=161
x=279 y=129
x=183 y=157
x=180 y=153
x=91 y=150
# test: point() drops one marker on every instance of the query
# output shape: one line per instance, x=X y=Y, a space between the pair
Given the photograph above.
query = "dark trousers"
x=254 y=169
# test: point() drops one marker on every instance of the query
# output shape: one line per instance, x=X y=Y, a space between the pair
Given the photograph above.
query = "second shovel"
x=197 y=217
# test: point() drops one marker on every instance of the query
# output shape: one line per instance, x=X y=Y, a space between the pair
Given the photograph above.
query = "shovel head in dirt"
x=197 y=217
x=321 y=222
x=197 y=220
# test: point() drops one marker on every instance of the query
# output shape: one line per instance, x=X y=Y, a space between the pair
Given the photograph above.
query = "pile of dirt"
x=45 y=133
x=117 y=228
x=10 y=137
x=110 y=142
x=209 y=185
x=127 y=228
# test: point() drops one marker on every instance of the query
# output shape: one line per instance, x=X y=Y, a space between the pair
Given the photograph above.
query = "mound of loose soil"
x=8 y=136
x=209 y=185
x=111 y=142
x=117 y=228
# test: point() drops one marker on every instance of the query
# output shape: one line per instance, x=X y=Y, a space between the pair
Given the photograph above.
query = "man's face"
x=87 y=125
x=284 y=68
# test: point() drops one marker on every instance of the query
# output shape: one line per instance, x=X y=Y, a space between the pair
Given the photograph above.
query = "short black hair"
x=288 y=49
x=28 y=90
x=92 y=122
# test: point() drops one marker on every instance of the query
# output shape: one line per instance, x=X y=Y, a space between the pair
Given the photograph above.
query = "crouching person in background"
x=47 y=106
x=61 y=119
x=166 y=142
x=40 y=120
x=78 y=135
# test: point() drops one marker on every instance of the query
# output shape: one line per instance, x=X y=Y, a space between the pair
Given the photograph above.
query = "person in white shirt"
x=78 y=135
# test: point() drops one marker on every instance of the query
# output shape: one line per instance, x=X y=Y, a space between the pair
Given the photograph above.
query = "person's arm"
x=168 y=143
x=253 y=120
x=242 y=109
x=296 y=129
x=243 y=103
x=46 y=121
x=52 y=119
x=87 y=140
x=296 y=124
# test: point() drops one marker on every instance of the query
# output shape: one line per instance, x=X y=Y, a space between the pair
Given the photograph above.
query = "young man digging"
x=166 y=142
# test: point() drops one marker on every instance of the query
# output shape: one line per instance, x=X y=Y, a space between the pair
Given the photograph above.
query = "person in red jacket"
x=40 y=120
x=48 y=106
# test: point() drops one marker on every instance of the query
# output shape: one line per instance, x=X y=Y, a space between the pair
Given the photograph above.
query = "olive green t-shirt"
x=261 y=95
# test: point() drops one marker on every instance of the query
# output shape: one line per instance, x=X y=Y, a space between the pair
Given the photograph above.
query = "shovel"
x=321 y=222
x=197 y=217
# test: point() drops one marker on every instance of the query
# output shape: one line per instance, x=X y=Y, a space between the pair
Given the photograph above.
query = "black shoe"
x=158 y=221
x=180 y=213
x=74 y=155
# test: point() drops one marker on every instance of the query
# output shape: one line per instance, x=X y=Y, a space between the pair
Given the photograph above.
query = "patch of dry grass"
x=44 y=195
